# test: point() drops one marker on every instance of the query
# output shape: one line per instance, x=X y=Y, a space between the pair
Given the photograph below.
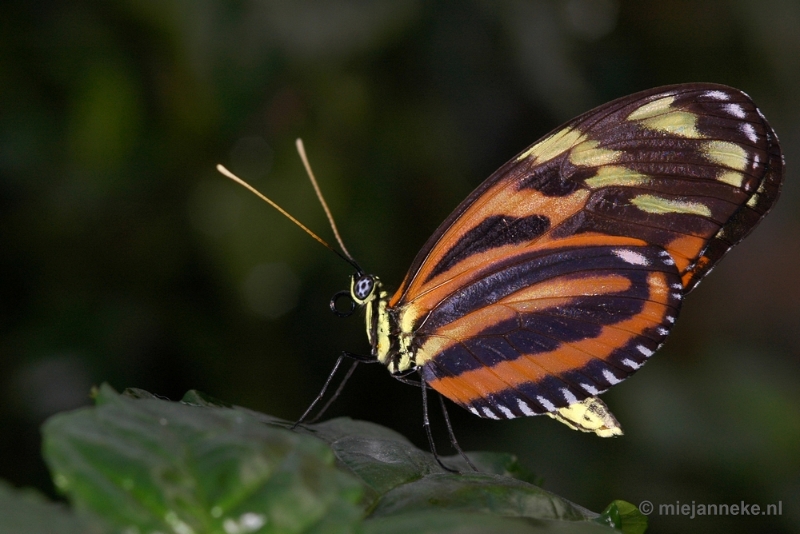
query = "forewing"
x=549 y=328
x=690 y=168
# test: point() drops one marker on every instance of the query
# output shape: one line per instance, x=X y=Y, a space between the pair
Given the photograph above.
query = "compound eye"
x=363 y=287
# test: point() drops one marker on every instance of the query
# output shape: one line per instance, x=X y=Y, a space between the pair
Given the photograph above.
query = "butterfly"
x=564 y=271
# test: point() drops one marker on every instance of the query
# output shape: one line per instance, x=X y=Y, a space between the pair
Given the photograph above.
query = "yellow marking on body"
x=589 y=415
x=368 y=310
x=553 y=145
x=735 y=179
x=404 y=364
x=408 y=318
x=725 y=153
x=383 y=343
x=661 y=205
x=652 y=109
x=589 y=154
x=615 y=175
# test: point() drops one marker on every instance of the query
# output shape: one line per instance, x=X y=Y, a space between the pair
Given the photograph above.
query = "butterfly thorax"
x=390 y=345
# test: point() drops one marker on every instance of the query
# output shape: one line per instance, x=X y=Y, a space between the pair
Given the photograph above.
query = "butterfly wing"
x=550 y=327
x=626 y=208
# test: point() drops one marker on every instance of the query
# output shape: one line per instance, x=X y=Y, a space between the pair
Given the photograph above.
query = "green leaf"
x=152 y=465
x=28 y=512
x=447 y=522
x=496 y=463
x=624 y=516
x=403 y=478
x=201 y=465
x=198 y=398
x=477 y=492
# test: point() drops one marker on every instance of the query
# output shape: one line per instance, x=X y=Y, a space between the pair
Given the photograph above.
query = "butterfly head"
x=366 y=291
x=364 y=288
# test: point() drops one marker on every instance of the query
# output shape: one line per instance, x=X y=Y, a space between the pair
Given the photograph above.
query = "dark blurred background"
x=125 y=258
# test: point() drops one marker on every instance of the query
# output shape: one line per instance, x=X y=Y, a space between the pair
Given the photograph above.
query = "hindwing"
x=550 y=327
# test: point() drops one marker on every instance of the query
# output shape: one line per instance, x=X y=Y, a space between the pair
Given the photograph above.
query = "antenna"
x=302 y=151
x=225 y=172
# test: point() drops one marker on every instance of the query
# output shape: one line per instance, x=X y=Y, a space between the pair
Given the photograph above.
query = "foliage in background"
x=125 y=258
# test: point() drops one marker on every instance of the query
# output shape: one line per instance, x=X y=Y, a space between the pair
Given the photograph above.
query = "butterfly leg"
x=357 y=359
x=453 y=440
x=336 y=393
x=427 y=425
x=321 y=393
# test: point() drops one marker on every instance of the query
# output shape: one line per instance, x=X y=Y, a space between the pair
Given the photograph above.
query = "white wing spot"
x=588 y=388
x=735 y=110
x=756 y=160
x=508 y=413
x=677 y=296
x=473 y=410
x=676 y=286
x=749 y=131
x=549 y=406
x=634 y=258
x=568 y=396
x=524 y=408
x=630 y=363
x=662 y=331
x=610 y=377
x=668 y=260
x=644 y=350
x=670 y=319
x=489 y=413
x=717 y=95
